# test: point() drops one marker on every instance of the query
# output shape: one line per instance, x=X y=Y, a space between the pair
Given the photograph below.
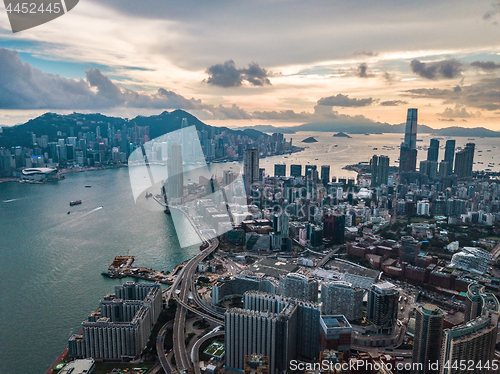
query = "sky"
x=238 y=63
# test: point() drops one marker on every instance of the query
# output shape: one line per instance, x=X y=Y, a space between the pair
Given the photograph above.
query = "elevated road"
x=160 y=347
x=195 y=353
x=185 y=281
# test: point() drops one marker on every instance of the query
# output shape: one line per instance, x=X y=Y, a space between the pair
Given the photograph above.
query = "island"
x=342 y=135
x=311 y=139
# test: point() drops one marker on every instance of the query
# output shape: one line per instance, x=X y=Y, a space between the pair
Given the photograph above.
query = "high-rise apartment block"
x=342 y=298
x=464 y=161
x=121 y=327
x=380 y=170
x=299 y=286
x=475 y=340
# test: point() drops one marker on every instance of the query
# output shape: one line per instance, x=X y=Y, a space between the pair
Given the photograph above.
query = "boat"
x=68 y=213
x=75 y=202
x=88 y=186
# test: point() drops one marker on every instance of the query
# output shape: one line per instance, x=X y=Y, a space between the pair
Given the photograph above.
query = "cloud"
x=486 y=65
x=446 y=119
x=484 y=94
x=362 y=71
x=366 y=53
x=23 y=86
x=490 y=14
x=227 y=75
x=393 y=102
x=389 y=79
x=344 y=101
x=433 y=70
x=458 y=113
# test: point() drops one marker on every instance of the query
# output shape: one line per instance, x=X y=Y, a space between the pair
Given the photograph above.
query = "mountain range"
x=377 y=128
x=59 y=126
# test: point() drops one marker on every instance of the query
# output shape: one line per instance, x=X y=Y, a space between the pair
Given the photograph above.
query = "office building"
x=382 y=308
x=175 y=181
x=449 y=153
x=428 y=336
x=296 y=170
x=120 y=329
x=433 y=150
x=334 y=227
x=325 y=174
x=410 y=247
x=251 y=168
x=335 y=333
x=380 y=170
x=299 y=286
x=408 y=150
x=464 y=161
x=342 y=298
x=279 y=170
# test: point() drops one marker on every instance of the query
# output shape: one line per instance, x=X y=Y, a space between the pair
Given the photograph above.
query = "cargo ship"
x=75 y=202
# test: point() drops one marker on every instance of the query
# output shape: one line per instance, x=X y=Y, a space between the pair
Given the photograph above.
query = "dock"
x=122 y=267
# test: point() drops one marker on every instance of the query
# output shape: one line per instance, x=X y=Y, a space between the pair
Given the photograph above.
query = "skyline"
x=279 y=63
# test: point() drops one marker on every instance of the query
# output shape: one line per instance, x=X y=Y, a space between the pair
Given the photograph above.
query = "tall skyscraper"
x=433 y=150
x=428 y=336
x=464 y=161
x=334 y=227
x=175 y=181
x=380 y=170
x=325 y=174
x=408 y=151
x=449 y=153
x=251 y=168
x=382 y=308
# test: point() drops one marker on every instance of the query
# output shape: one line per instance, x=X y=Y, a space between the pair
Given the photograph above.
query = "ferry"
x=75 y=202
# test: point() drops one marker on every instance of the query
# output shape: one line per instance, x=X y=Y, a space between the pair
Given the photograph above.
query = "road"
x=195 y=354
x=186 y=282
x=160 y=347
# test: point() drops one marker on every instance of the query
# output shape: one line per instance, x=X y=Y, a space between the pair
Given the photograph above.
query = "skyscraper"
x=382 y=308
x=464 y=160
x=251 y=168
x=428 y=336
x=408 y=152
x=279 y=170
x=433 y=150
x=380 y=170
x=449 y=153
x=175 y=181
x=334 y=227
x=295 y=170
x=325 y=174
